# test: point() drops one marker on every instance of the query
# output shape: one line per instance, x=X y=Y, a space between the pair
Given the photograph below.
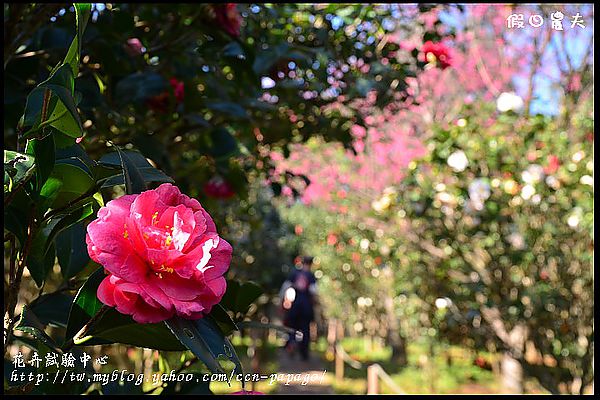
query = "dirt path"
x=311 y=369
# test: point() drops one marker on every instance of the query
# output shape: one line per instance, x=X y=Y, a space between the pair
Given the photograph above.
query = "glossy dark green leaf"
x=13 y=222
x=71 y=250
x=75 y=182
x=229 y=108
x=239 y=296
x=260 y=325
x=43 y=151
x=139 y=87
x=67 y=122
x=206 y=340
x=233 y=49
x=52 y=308
x=86 y=304
x=223 y=143
x=221 y=317
x=59 y=222
x=41 y=258
x=134 y=181
x=43 y=109
x=31 y=324
x=248 y=293
x=114 y=327
x=82 y=15
x=137 y=170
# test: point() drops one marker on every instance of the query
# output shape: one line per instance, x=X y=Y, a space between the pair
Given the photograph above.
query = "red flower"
x=437 y=52
x=553 y=164
x=178 y=89
x=219 y=188
x=331 y=239
x=228 y=18
x=160 y=103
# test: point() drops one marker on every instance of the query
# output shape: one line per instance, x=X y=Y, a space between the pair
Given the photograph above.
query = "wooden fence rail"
x=375 y=372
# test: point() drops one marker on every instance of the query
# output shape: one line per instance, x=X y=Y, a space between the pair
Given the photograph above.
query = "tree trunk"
x=512 y=374
x=511 y=368
x=394 y=339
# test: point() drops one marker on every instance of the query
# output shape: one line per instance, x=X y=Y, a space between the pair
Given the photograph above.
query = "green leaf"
x=137 y=170
x=40 y=259
x=75 y=182
x=134 y=181
x=228 y=107
x=114 y=327
x=205 y=339
x=239 y=296
x=82 y=15
x=42 y=252
x=223 y=143
x=220 y=316
x=43 y=151
x=31 y=324
x=65 y=123
x=13 y=222
x=70 y=217
x=48 y=194
x=18 y=169
x=65 y=118
x=71 y=250
x=52 y=308
x=233 y=49
x=138 y=87
x=260 y=325
x=86 y=304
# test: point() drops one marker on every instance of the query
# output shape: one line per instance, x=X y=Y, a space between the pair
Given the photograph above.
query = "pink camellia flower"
x=134 y=47
x=228 y=18
x=219 y=188
x=437 y=52
x=162 y=254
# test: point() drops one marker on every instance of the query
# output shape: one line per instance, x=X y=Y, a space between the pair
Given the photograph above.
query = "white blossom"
x=580 y=155
x=527 y=192
x=442 y=302
x=509 y=101
x=533 y=174
x=458 y=161
x=479 y=190
x=553 y=182
x=587 y=180
x=267 y=83
x=573 y=220
x=516 y=240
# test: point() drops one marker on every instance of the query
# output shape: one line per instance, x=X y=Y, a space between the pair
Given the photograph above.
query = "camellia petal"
x=162 y=253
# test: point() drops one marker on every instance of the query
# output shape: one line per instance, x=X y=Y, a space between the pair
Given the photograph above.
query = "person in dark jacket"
x=299 y=296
